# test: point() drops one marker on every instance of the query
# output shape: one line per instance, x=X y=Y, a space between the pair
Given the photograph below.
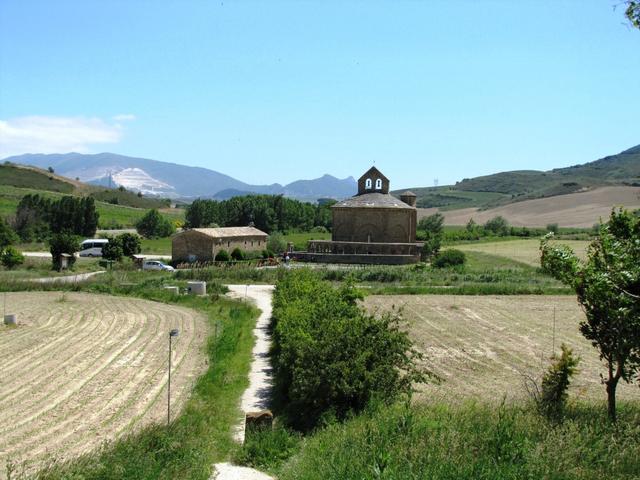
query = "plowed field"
x=80 y=369
x=484 y=346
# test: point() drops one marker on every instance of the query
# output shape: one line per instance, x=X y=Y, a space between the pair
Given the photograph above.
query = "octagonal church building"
x=372 y=227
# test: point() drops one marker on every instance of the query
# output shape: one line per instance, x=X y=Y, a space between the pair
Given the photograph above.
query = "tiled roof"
x=223 y=232
x=372 y=200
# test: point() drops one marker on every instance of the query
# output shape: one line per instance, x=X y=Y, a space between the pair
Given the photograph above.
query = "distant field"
x=572 y=210
x=110 y=215
x=81 y=369
x=483 y=345
x=300 y=240
x=525 y=251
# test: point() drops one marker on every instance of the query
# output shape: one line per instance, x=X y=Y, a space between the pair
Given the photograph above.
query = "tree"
x=276 y=243
x=632 y=12
x=498 y=226
x=131 y=244
x=63 y=243
x=11 y=257
x=432 y=226
x=222 y=256
x=607 y=285
x=154 y=225
x=113 y=250
x=7 y=235
x=555 y=383
x=237 y=254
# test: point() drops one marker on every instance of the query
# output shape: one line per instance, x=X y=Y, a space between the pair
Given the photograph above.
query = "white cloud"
x=43 y=134
x=124 y=117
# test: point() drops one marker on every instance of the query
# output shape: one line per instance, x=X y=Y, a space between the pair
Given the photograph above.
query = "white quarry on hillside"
x=140 y=181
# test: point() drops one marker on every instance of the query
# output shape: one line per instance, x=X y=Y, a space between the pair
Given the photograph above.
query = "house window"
x=252 y=243
x=379 y=184
x=367 y=183
x=228 y=244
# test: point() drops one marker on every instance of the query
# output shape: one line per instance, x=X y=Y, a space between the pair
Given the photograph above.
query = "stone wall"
x=195 y=246
x=374 y=225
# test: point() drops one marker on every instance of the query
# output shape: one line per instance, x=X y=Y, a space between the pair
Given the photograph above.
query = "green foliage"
x=222 y=256
x=553 y=228
x=11 y=257
x=268 y=448
x=154 y=225
x=63 y=243
x=632 y=12
x=555 y=382
x=131 y=244
x=32 y=178
x=608 y=288
x=268 y=213
x=330 y=358
x=7 y=235
x=276 y=243
x=237 y=254
x=121 y=196
x=449 y=258
x=431 y=229
x=497 y=225
x=36 y=216
x=469 y=442
x=113 y=250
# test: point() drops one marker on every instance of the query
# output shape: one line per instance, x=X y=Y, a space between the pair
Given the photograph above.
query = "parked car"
x=156 y=265
x=92 y=247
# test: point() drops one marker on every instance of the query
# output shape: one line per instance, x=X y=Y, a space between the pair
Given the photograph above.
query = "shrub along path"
x=256 y=396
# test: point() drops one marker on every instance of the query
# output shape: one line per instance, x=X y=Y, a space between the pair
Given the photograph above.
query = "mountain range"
x=170 y=180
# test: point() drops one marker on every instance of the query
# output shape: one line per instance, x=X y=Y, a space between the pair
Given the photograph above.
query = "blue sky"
x=277 y=91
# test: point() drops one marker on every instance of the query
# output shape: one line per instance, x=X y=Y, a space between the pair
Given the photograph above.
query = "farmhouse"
x=202 y=244
x=370 y=227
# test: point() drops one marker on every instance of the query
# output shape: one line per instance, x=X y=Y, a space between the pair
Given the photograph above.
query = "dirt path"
x=256 y=396
x=80 y=277
x=80 y=369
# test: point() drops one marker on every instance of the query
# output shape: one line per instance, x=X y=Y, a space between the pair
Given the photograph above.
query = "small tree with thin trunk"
x=608 y=288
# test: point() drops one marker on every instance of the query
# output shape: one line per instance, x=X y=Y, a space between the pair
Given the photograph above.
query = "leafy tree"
x=50 y=170
x=131 y=244
x=276 y=243
x=154 y=225
x=553 y=227
x=7 y=235
x=633 y=12
x=432 y=228
x=63 y=243
x=498 y=226
x=607 y=285
x=11 y=257
x=113 y=250
x=472 y=226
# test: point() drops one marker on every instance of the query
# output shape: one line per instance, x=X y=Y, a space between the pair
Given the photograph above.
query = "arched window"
x=379 y=184
x=367 y=183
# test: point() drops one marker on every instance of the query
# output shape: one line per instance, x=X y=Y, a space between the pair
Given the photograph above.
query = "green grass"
x=29 y=178
x=111 y=216
x=300 y=240
x=469 y=441
x=201 y=434
x=158 y=246
x=36 y=267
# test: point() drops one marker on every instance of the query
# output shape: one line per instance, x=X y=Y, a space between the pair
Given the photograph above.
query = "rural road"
x=256 y=396
x=67 y=278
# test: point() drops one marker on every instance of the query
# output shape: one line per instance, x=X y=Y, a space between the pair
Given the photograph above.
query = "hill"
x=153 y=177
x=580 y=210
x=117 y=207
x=521 y=185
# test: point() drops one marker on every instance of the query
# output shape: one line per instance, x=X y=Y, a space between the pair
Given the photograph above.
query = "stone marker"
x=10 y=319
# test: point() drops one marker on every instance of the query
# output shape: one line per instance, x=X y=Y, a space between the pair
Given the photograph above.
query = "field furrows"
x=483 y=347
x=81 y=369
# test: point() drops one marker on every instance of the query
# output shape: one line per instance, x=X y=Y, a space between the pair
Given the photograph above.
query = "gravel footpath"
x=256 y=396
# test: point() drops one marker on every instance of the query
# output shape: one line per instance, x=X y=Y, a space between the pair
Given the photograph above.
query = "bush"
x=555 y=383
x=330 y=357
x=553 y=227
x=222 y=256
x=63 y=243
x=11 y=258
x=237 y=254
x=497 y=225
x=154 y=225
x=131 y=244
x=276 y=243
x=449 y=258
x=112 y=250
x=7 y=235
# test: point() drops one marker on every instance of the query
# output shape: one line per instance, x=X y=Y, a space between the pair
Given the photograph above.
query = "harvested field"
x=482 y=346
x=525 y=251
x=80 y=369
x=580 y=210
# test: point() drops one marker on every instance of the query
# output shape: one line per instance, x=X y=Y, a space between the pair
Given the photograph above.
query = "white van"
x=92 y=247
